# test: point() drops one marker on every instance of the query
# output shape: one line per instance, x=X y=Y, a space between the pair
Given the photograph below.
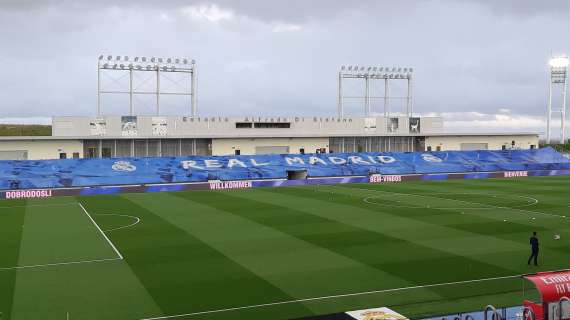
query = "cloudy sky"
x=479 y=63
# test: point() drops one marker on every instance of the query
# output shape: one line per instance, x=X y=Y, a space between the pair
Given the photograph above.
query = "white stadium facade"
x=168 y=136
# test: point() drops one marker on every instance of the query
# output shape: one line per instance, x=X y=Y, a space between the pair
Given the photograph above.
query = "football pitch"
x=421 y=248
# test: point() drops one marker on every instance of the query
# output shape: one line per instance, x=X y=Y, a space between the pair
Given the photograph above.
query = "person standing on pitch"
x=534 y=248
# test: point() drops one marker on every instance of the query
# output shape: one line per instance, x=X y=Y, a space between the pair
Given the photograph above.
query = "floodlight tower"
x=558 y=75
x=369 y=74
x=161 y=67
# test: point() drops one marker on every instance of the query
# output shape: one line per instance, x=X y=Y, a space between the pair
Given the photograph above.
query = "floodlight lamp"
x=342 y=68
x=369 y=68
x=361 y=68
x=109 y=58
x=375 y=68
x=169 y=60
x=193 y=61
x=105 y=65
x=126 y=58
x=411 y=69
x=160 y=60
x=136 y=59
x=380 y=69
x=118 y=58
x=394 y=69
x=177 y=61
x=559 y=62
x=143 y=59
x=153 y=59
x=405 y=70
x=101 y=57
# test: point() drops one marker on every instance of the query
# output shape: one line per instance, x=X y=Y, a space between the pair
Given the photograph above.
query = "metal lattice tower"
x=160 y=67
x=369 y=74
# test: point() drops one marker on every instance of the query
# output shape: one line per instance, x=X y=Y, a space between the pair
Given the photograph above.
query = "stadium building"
x=154 y=136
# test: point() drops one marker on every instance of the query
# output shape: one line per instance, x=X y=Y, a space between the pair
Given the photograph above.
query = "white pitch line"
x=58 y=264
x=40 y=205
x=137 y=220
x=103 y=233
x=329 y=297
x=367 y=200
x=469 y=202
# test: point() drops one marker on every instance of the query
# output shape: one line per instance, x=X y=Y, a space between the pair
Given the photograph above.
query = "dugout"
x=296 y=174
x=547 y=299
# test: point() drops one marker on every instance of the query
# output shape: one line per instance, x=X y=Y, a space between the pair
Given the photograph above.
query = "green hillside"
x=25 y=130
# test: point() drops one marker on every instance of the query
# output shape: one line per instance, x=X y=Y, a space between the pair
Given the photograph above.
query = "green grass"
x=25 y=130
x=210 y=250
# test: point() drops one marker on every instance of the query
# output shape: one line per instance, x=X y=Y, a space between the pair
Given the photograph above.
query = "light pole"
x=558 y=75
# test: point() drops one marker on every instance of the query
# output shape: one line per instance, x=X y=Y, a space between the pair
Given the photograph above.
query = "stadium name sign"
x=291 y=161
x=28 y=194
x=379 y=178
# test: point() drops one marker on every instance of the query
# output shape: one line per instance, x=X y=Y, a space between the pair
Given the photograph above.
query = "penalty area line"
x=101 y=231
x=329 y=297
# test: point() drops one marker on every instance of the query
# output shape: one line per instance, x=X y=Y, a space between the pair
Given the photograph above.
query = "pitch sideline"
x=254 y=306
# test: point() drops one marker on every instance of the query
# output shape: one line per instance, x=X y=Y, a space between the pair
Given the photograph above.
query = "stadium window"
x=243 y=125
x=76 y=155
x=438 y=148
x=106 y=152
x=237 y=152
x=429 y=148
x=302 y=151
x=532 y=146
x=63 y=155
x=92 y=152
x=503 y=147
x=272 y=125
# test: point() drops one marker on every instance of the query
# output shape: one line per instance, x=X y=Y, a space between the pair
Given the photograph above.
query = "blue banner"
x=120 y=171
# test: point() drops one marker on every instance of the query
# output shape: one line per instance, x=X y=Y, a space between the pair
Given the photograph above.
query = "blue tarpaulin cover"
x=117 y=171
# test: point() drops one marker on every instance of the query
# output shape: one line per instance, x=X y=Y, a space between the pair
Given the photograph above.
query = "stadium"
x=383 y=214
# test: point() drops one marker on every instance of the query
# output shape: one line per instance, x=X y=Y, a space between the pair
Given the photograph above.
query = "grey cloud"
x=470 y=55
